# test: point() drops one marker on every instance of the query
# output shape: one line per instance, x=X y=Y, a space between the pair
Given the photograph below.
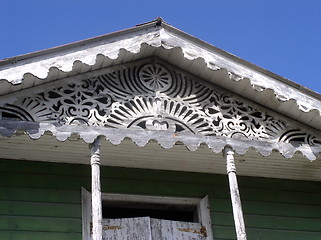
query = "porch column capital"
x=229 y=155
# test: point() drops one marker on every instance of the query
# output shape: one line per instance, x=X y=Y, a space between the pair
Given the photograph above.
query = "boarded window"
x=150 y=217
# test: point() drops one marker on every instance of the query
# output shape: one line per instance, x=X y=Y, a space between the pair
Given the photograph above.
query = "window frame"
x=201 y=204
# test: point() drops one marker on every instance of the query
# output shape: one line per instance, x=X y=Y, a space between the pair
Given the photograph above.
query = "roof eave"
x=237 y=59
x=84 y=42
x=176 y=31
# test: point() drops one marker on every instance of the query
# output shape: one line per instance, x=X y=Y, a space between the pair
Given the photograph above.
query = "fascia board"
x=63 y=58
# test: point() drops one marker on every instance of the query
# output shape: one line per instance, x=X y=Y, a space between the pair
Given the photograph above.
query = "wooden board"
x=170 y=230
x=145 y=228
x=127 y=228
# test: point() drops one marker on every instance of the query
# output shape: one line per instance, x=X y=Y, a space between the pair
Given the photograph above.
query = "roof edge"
x=160 y=23
x=136 y=28
x=216 y=143
x=237 y=59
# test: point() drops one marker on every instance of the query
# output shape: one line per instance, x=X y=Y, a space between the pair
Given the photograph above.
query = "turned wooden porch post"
x=95 y=190
x=235 y=195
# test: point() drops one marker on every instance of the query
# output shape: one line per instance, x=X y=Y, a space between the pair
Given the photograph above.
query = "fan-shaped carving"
x=156 y=98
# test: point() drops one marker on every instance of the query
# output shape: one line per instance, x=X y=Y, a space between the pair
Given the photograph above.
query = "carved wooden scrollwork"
x=153 y=97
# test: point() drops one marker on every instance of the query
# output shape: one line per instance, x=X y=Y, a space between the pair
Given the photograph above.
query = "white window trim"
x=202 y=204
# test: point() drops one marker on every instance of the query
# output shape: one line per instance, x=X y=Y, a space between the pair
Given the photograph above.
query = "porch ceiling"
x=152 y=156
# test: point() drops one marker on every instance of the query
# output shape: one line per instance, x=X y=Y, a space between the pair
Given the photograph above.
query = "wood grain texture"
x=127 y=228
x=168 y=230
x=145 y=228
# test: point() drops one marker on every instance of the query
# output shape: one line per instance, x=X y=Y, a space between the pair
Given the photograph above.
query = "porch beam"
x=235 y=195
x=96 y=190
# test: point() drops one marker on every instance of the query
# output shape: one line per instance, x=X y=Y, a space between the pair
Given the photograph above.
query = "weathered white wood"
x=132 y=198
x=145 y=228
x=86 y=213
x=127 y=228
x=204 y=216
x=161 y=229
x=169 y=230
x=235 y=195
x=96 y=192
x=203 y=212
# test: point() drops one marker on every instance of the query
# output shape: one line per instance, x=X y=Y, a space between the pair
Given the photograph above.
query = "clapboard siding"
x=28 y=223
x=38 y=235
x=19 y=208
x=39 y=201
x=271 y=208
x=271 y=222
x=226 y=233
x=31 y=194
x=43 y=200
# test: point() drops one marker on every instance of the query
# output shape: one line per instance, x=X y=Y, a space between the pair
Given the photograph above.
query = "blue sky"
x=281 y=36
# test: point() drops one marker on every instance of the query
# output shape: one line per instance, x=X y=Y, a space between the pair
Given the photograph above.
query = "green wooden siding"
x=43 y=200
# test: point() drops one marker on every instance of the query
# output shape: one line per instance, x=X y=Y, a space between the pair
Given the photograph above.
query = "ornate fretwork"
x=153 y=97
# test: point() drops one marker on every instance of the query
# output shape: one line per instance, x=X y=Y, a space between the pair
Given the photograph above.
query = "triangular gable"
x=160 y=39
x=152 y=99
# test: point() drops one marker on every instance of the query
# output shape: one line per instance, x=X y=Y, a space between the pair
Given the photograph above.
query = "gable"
x=152 y=99
x=174 y=46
